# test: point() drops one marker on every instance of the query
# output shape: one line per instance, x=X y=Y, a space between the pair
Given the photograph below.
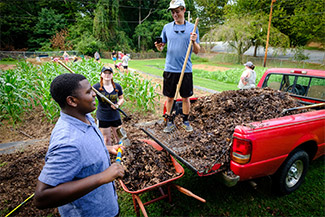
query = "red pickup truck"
x=283 y=147
x=280 y=147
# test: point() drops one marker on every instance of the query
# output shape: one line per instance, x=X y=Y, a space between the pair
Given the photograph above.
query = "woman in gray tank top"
x=248 y=78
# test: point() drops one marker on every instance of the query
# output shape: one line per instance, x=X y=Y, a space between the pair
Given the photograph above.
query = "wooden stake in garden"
x=268 y=33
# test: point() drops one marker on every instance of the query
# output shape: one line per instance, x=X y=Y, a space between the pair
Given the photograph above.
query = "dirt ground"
x=209 y=68
x=6 y=67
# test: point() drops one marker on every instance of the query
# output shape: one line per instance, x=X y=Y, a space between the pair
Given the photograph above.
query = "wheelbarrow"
x=139 y=205
x=216 y=167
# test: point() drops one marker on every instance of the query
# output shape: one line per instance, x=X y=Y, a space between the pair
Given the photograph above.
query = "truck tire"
x=291 y=173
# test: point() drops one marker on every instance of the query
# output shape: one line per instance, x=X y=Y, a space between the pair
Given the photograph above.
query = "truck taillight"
x=241 y=150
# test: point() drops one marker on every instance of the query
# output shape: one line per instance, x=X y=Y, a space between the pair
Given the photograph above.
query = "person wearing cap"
x=177 y=35
x=248 y=78
x=108 y=117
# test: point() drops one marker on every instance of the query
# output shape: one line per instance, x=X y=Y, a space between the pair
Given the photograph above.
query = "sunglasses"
x=179 y=30
x=107 y=72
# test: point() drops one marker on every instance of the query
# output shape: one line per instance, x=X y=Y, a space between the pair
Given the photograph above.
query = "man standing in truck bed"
x=177 y=35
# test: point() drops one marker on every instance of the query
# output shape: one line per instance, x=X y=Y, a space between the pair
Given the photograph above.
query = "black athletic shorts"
x=125 y=67
x=107 y=124
x=171 y=81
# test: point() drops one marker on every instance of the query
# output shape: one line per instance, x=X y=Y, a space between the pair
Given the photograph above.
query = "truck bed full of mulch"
x=214 y=119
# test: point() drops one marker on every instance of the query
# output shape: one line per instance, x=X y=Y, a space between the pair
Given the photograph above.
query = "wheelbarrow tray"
x=179 y=169
x=216 y=167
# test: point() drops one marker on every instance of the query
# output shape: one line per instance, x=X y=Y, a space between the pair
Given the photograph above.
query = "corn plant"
x=138 y=90
x=27 y=86
x=47 y=73
x=16 y=93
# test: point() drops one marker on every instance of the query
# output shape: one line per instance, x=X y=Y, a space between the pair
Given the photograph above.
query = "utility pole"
x=268 y=32
x=139 y=37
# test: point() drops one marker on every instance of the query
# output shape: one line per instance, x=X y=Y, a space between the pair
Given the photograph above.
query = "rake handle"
x=96 y=91
x=303 y=107
x=185 y=61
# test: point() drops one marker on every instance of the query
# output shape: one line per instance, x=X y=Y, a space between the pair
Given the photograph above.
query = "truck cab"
x=304 y=84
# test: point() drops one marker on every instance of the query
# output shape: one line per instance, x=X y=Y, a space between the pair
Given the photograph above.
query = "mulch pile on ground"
x=214 y=119
x=19 y=172
x=146 y=166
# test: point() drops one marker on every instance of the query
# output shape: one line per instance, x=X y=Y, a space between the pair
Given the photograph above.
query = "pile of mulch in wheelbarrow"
x=146 y=166
x=214 y=119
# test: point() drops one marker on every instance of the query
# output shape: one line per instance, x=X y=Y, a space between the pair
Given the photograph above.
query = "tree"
x=105 y=20
x=49 y=22
x=209 y=12
x=241 y=33
x=301 y=20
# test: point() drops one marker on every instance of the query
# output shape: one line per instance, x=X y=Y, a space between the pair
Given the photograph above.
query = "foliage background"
x=132 y=25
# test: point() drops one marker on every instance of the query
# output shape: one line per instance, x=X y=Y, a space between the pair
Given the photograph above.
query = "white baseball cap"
x=175 y=4
x=249 y=64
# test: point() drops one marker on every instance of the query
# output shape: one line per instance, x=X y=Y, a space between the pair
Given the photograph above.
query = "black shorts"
x=171 y=81
x=125 y=67
x=107 y=124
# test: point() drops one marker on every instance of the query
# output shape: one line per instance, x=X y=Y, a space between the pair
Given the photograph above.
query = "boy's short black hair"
x=63 y=86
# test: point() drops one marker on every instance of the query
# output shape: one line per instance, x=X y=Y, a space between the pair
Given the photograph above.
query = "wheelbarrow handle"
x=119 y=155
x=189 y=193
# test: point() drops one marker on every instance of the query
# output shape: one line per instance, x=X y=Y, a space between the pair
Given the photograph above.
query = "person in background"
x=248 y=78
x=114 y=57
x=119 y=66
x=177 y=35
x=97 y=56
x=108 y=117
x=78 y=176
x=65 y=56
x=125 y=62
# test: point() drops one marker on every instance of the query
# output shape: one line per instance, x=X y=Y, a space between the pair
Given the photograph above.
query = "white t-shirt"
x=125 y=60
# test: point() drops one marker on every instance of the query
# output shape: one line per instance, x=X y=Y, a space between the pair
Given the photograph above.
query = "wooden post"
x=139 y=37
x=268 y=33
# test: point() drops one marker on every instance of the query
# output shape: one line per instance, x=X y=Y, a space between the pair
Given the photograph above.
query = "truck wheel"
x=292 y=173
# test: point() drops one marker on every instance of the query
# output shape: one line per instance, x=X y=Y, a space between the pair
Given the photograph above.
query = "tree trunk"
x=255 y=49
x=239 y=52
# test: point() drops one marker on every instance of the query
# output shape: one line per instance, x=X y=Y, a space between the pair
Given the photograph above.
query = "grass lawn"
x=156 y=67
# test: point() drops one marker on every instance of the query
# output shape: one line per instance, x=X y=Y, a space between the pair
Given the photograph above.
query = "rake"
x=98 y=93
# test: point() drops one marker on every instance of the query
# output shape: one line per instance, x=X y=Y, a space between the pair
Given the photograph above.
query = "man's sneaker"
x=169 y=128
x=186 y=125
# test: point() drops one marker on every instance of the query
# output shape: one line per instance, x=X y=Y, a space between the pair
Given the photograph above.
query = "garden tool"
x=123 y=140
x=303 y=107
x=25 y=201
x=98 y=93
x=183 y=70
